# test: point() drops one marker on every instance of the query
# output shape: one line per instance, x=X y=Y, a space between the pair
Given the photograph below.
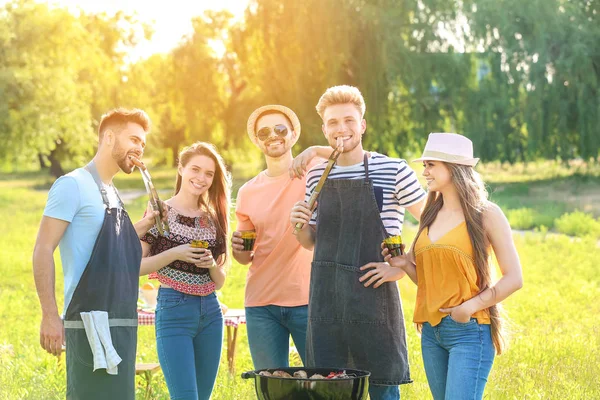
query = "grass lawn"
x=554 y=351
x=536 y=194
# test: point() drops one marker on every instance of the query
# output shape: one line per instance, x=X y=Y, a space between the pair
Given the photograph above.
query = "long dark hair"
x=217 y=199
x=473 y=200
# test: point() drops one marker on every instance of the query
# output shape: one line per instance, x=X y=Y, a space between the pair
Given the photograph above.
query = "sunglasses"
x=279 y=129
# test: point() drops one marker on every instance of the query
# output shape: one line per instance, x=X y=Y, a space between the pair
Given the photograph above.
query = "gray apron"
x=349 y=325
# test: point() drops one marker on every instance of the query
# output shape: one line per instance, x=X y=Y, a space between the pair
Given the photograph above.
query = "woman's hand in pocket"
x=461 y=314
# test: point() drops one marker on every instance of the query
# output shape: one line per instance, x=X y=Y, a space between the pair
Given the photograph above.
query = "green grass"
x=541 y=192
x=554 y=351
x=548 y=199
x=547 y=189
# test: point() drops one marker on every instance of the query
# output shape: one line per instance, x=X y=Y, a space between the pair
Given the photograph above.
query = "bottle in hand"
x=199 y=244
x=394 y=245
x=249 y=237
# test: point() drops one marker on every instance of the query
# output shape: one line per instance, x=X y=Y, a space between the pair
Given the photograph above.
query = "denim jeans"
x=269 y=329
x=458 y=358
x=381 y=392
x=189 y=338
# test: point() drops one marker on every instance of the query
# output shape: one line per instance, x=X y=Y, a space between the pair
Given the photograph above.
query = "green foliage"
x=58 y=74
x=521 y=218
x=575 y=170
x=541 y=97
x=578 y=223
x=505 y=74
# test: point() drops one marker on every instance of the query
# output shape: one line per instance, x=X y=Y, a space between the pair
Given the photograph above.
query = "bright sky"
x=171 y=19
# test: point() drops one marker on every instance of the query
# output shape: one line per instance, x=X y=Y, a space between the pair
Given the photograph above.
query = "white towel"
x=98 y=334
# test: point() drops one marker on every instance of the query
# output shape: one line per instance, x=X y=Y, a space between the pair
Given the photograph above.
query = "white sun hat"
x=449 y=147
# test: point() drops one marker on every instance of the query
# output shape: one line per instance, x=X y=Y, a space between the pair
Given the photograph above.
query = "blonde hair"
x=343 y=94
x=474 y=202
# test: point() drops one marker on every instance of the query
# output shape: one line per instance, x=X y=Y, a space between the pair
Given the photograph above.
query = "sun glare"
x=170 y=23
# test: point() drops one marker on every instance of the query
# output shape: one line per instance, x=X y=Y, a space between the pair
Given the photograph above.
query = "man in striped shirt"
x=395 y=184
x=395 y=187
x=355 y=315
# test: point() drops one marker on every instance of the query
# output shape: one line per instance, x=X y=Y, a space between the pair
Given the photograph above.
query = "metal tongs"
x=155 y=203
x=330 y=163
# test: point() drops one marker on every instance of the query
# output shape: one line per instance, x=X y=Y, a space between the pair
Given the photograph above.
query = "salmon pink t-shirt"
x=280 y=270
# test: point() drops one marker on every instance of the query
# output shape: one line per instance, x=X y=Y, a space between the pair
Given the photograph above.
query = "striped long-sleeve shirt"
x=396 y=179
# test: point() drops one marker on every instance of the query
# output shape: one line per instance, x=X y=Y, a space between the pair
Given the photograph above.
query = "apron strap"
x=91 y=168
x=111 y=322
x=366 y=161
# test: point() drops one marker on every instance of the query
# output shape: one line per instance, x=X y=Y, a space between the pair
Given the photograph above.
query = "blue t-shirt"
x=75 y=198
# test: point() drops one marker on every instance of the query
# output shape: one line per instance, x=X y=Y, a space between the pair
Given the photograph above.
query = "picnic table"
x=233 y=318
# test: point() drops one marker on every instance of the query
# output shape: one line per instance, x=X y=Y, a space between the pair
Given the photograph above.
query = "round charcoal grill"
x=356 y=387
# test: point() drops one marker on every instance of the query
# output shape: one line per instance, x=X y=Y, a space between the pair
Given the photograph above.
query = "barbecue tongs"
x=155 y=203
x=330 y=163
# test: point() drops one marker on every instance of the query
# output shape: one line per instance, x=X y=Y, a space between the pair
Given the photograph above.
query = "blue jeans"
x=381 y=392
x=189 y=338
x=458 y=358
x=269 y=329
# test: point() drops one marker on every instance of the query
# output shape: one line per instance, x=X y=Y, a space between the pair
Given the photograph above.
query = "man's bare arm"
x=301 y=213
x=416 y=209
x=49 y=235
x=302 y=161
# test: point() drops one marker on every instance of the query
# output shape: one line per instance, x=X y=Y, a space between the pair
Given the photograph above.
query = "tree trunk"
x=55 y=167
x=174 y=149
x=43 y=164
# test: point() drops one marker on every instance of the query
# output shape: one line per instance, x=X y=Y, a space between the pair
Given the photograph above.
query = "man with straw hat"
x=361 y=203
x=277 y=282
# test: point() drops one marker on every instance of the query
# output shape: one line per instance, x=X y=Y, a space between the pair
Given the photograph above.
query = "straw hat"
x=250 y=126
x=450 y=148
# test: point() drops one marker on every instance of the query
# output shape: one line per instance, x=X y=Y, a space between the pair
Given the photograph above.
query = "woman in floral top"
x=189 y=321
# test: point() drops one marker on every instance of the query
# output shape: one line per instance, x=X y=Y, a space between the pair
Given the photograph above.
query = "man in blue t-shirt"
x=100 y=254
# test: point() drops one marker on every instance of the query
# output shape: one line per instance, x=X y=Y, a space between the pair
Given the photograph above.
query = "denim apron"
x=109 y=283
x=349 y=325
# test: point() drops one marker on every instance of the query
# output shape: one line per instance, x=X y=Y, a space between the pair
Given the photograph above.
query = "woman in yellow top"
x=456 y=306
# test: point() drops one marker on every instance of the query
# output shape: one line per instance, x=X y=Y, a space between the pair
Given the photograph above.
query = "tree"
x=56 y=81
x=548 y=60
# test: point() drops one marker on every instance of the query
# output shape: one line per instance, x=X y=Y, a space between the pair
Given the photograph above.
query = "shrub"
x=522 y=218
x=578 y=223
